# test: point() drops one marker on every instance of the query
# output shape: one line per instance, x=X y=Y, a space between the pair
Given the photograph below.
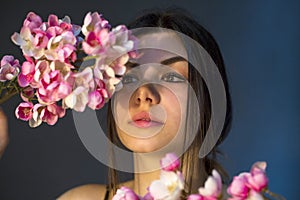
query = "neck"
x=143 y=180
x=145 y=172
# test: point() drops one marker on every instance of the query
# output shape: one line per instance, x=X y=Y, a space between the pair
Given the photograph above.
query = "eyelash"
x=171 y=77
x=129 y=79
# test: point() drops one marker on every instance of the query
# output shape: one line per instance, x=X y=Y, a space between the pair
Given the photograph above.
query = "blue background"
x=260 y=45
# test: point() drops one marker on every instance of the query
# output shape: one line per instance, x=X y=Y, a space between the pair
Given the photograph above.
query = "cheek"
x=173 y=104
x=173 y=109
x=121 y=135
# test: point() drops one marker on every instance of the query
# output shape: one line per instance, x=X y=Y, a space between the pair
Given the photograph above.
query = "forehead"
x=166 y=43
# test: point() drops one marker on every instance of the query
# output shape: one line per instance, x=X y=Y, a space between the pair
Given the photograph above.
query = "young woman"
x=153 y=113
x=167 y=104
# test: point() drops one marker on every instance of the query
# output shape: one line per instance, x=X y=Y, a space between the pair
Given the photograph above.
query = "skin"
x=3 y=133
x=162 y=93
x=145 y=97
x=142 y=100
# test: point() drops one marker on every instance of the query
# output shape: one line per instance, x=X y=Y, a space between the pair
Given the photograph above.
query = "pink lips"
x=143 y=120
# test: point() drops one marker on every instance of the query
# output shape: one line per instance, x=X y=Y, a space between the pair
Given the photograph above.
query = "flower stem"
x=7 y=96
x=89 y=58
x=276 y=196
x=1 y=88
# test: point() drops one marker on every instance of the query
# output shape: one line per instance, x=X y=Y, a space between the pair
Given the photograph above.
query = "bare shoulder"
x=85 y=192
x=89 y=192
x=128 y=184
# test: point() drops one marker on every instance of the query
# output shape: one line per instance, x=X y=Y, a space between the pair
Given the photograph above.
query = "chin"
x=141 y=146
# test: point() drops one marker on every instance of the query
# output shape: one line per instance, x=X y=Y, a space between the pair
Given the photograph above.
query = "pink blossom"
x=7 y=72
x=24 y=111
x=58 y=25
x=106 y=73
x=99 y=95
x=112 y=85
x=62 y=67
x=9 y=68
x=38 y=113
x=258 y=179
x=213 y=186
x=235 y=198
x=53 y=88
x=77 y=99
x=32 y=73
x=147 y=196
x=168 y=187
x=54 y=39
x=125 y=193
x=46 y=113
x=53 y=20
x=133 y=54
x=85 y=78
x=66 y=25
x=93 y=21
x=40 y=39
x=32 y=21
x=118 y=65
x=53 y=31
x=170 y=162
x=123 y=41
x=96 y=42
x=52 y=113
x=8 y=59
x=41 y=68
x=27 y=73
x=26 y=40
x=195 y=197
x=121 y=44
x=61 y=47
x=98 y=71
x=27 y=93
x=97 y=98
x=105 y=70
x=238 y=187
x=253 y=195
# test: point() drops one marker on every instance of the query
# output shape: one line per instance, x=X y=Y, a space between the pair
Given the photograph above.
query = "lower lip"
x=145 y=124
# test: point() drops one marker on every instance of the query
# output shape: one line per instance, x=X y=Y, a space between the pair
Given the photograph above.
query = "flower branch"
x=251 y=185
x=52 y=77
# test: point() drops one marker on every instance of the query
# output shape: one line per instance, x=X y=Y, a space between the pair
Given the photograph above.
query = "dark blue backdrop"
x=260 y=44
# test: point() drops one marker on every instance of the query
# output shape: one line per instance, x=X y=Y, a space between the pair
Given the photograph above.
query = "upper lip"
x=144 y=116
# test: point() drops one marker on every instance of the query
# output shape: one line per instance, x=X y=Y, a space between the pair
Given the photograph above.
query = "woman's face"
x=150 y=107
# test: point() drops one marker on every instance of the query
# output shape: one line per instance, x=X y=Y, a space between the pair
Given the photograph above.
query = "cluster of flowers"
x=51 y=78
x=251 y=185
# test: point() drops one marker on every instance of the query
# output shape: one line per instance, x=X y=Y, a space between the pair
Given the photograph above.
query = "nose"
x=146 y=94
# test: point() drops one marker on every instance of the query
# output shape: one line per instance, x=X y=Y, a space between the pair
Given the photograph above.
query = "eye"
x=129 y=78
x=173 y=77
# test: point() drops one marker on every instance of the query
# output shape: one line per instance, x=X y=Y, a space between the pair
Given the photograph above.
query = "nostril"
x=149 y=99
x=146 y=94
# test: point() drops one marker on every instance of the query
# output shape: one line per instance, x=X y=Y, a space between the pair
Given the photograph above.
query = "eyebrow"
x=168 y=61
x=172 y=60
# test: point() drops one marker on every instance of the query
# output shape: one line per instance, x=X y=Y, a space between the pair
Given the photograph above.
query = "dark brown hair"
x=177 y=19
